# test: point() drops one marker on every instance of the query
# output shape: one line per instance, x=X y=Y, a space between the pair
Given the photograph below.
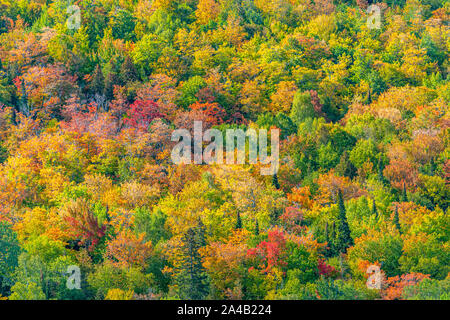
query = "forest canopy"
x=92 y=207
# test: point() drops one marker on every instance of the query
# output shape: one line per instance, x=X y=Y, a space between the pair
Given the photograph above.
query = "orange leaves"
x=301 y=196
x=128 y=250
x=396 y=284
x=223 y=261
x=329 y=184
x=399 y=172
x=214 y=113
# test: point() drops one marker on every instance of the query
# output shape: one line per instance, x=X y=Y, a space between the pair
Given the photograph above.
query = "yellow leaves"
x=207 y=11
x=414 y=64
x=54 y=182
x=281 y=99
x=322 y=27
x=36 y=222
x=134 y=194
x=119 y=294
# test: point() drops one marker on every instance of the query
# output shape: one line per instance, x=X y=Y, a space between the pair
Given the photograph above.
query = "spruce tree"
x=275 y=181
x=374 y=209
x=256 y=227
x=110 y=81
x=397 y=220
x=404 y=195
x=128 y=71
x=97 y=84
x=24 y=107
x=238 y=221
x=344 y=239
x=333 y=239
x=345 y=168
x=380 y=170
x=327 y=239
x=192 y=280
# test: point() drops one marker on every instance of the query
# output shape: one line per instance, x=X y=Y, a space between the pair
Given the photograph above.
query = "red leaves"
x=213 y=112
x=325 y=269
x=270 y=252
x=142 y=113
x=291 y=219
x=83 y=222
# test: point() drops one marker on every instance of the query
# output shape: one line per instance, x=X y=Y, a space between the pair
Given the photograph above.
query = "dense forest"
x=92 y=206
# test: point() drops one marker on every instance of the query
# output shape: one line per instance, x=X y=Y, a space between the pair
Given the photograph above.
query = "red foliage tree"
x=142 y=113
x=270 y=253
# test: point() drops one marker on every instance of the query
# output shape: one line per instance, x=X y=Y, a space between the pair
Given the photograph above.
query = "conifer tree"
x=374 y=209
x=192 y=280
x=110 y=81
x=238 y=221
x=256 y=227
x=404 y=195
x=24 y=107
x=275 y=181
x=380 y=170
x=333 y=240
x=128 y=71
x=344 y=239
x=345 y=167
x=97 y=84
x=397 y=220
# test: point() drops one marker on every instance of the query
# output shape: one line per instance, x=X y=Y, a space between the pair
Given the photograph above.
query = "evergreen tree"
x=24 y=107
x=192 y=280
x=97 y=84
x=200 y=233
x=256 y=227
x=333 y=239
x=374 y=209
x=397 y=220
x=110 y=81
x=128 y=71
x=238 y=221
x=327 y=239
x=404 y=195
x=345 y=167
x=380 y=170
x=344 y=239
x=275 y=181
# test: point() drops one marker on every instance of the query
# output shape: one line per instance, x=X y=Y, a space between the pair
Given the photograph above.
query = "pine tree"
x=24 y=107
x=327 y=239
x=192 y=280
x=275 y=181
x=128 y=71
x=380 y=170
x=256 y=227
x=374 y=209
x=344 y=239
x=200 y=233
x=238 y=221
x=110 y=81
x=97 y=84
x=404 y=195
x=397 y=220
x=345 y=167
x=333 y=240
